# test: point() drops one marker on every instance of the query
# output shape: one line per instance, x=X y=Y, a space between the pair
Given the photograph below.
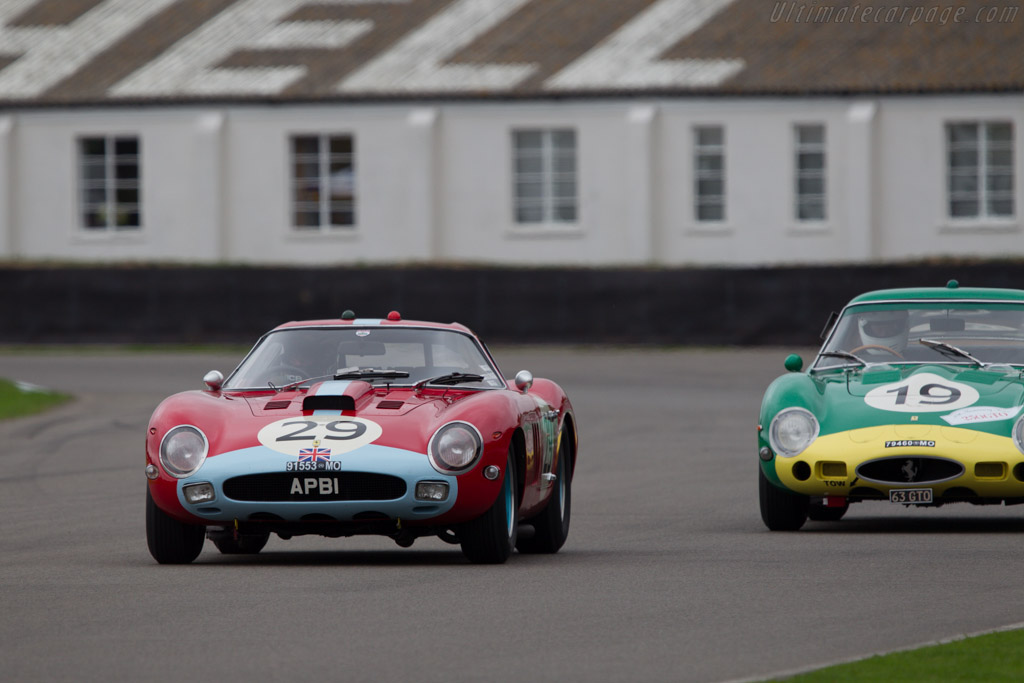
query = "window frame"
x=703 y=150
x=548 y=177
x=326 y=205
x=801 y=198
x=983 y=145
x=108 y=182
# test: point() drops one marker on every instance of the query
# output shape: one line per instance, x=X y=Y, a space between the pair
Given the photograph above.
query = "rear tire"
x=551 y=527
x=171 y=541
x=781 y=510
x=490 y=538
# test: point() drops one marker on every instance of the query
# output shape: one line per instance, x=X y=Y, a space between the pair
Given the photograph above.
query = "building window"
x=980 y=167
x=110 y=183
x=810 y=173
x=545 y=176
x=709 y=173
x=323 y=182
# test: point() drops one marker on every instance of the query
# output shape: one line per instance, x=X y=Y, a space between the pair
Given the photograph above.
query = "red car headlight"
x=183 y=451
x=455 y=447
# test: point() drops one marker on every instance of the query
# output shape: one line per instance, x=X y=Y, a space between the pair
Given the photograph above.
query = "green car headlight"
x=792 y=431
x=1018 y=434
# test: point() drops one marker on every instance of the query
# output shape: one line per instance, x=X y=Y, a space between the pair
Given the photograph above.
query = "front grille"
x=910 y=470
x=281 y=486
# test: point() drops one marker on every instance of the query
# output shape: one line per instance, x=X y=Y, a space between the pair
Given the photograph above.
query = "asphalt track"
x=668 y=574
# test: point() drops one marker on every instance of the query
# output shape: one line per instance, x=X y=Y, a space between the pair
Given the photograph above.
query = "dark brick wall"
x=504 y=305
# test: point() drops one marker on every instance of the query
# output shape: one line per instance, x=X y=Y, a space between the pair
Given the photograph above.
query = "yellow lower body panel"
x=874 y=460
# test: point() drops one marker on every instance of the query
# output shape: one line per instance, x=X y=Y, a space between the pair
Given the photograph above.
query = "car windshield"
x=977 y=333
x=376 y=354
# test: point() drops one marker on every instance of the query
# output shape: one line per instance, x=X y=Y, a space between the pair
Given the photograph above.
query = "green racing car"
x=914 y=398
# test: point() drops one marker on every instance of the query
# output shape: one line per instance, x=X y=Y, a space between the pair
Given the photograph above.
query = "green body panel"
x=792 y=390
x=837 y=397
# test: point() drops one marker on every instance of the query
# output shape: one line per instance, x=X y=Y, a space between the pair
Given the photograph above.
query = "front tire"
x=490 y=538
x=551 y=527
x=171 y=541
x=781 y=510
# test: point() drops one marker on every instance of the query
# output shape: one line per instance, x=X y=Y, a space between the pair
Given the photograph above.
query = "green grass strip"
x=20 y=400
x=991 y=657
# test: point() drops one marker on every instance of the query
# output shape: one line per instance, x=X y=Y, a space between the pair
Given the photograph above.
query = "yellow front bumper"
x=829 y=467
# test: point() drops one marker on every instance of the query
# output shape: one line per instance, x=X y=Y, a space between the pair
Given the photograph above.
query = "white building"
x=518 y=132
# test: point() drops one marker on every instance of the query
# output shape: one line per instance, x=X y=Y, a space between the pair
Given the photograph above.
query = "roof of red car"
x=393 y=319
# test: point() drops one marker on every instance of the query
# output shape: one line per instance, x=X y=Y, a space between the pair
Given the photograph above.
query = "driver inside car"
x=881 y=330
x=303 y=357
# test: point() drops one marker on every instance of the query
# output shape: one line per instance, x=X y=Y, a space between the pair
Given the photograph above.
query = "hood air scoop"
x=329 y=402
x=337 y=395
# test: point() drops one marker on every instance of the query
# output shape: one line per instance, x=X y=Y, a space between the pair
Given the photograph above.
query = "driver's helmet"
x=884 y=328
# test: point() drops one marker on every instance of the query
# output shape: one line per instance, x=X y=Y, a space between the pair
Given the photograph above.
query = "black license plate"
x=910 y=496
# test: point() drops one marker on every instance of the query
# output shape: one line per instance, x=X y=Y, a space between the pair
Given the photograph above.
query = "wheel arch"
x=572 y=446
x=519 y=457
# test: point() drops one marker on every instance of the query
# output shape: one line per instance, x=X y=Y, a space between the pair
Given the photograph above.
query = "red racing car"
x=362 y=426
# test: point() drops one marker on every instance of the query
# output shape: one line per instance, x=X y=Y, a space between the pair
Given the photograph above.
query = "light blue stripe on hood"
x=332 y=388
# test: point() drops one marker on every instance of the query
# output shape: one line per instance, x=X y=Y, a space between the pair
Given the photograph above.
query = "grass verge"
x=19 y=399
x=991 y=657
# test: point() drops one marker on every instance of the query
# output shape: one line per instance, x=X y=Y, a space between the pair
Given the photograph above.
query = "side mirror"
x=794 y=363
x=214 y=379
x=524 y=380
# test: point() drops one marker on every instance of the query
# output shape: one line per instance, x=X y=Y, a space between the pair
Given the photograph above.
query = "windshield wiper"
x=368 y=373
x=949 y=348
x=843 y=354
x=451 y=379
x=292 y=385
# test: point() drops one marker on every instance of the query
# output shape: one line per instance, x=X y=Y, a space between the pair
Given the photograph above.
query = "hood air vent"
x=276 y=405
x=390 y=405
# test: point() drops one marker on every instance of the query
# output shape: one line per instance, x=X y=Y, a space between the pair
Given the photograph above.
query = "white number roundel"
x=330 y=433
x=922 y=393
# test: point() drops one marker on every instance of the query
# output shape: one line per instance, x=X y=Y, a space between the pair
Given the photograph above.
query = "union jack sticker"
x=315 y=454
